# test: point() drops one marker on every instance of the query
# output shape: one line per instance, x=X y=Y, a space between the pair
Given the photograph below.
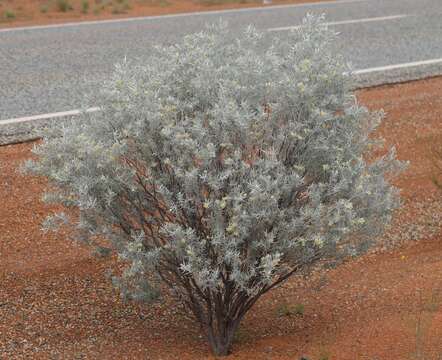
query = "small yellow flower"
x=318 y=242
x=222 y=204
x=348 y=205
x=231 y=228
x=361 y=221
x=301 y=87
x=305 y=65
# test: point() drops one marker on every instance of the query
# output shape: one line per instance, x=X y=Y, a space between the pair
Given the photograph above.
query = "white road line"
x=344 y=22
x=47 y=116
x=94 y=109
x=398 y=66
x=171 y=16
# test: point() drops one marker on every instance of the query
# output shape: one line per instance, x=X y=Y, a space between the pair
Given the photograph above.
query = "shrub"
x=84 y=6
x=63 y=5
x=221 y=2
x=44 y=8
x=9 y=14
x=220 y=167
x=437 y=161
x=289 y=310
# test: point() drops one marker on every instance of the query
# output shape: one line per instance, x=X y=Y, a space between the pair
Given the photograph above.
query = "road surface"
x=52 y=69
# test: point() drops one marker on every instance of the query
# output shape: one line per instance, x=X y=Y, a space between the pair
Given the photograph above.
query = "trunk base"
x=221 y=344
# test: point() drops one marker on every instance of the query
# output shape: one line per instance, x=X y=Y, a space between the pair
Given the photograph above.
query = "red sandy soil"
x=56 y=302
x=40 y=12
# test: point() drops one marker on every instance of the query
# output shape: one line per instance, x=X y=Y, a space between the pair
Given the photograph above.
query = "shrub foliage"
x=220 y=167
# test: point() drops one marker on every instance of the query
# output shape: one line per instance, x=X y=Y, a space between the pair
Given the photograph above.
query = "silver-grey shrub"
x=221 y=166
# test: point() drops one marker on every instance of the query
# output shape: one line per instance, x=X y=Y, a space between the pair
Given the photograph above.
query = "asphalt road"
x=51 y=69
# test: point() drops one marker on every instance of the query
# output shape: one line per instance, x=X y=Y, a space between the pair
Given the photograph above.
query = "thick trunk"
x=221 y=339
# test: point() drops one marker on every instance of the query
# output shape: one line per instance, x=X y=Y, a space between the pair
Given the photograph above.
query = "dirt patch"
x=56 y=302
x=41 y=12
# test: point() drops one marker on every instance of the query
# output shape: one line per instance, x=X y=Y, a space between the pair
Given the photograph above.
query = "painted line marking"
x=398 y=66
x=94 y=109
x=344 y=22
x=172 y=16
x=47 y=116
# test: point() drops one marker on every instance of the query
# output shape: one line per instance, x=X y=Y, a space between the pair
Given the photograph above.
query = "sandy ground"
x=56 y=302
x=41 y=12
